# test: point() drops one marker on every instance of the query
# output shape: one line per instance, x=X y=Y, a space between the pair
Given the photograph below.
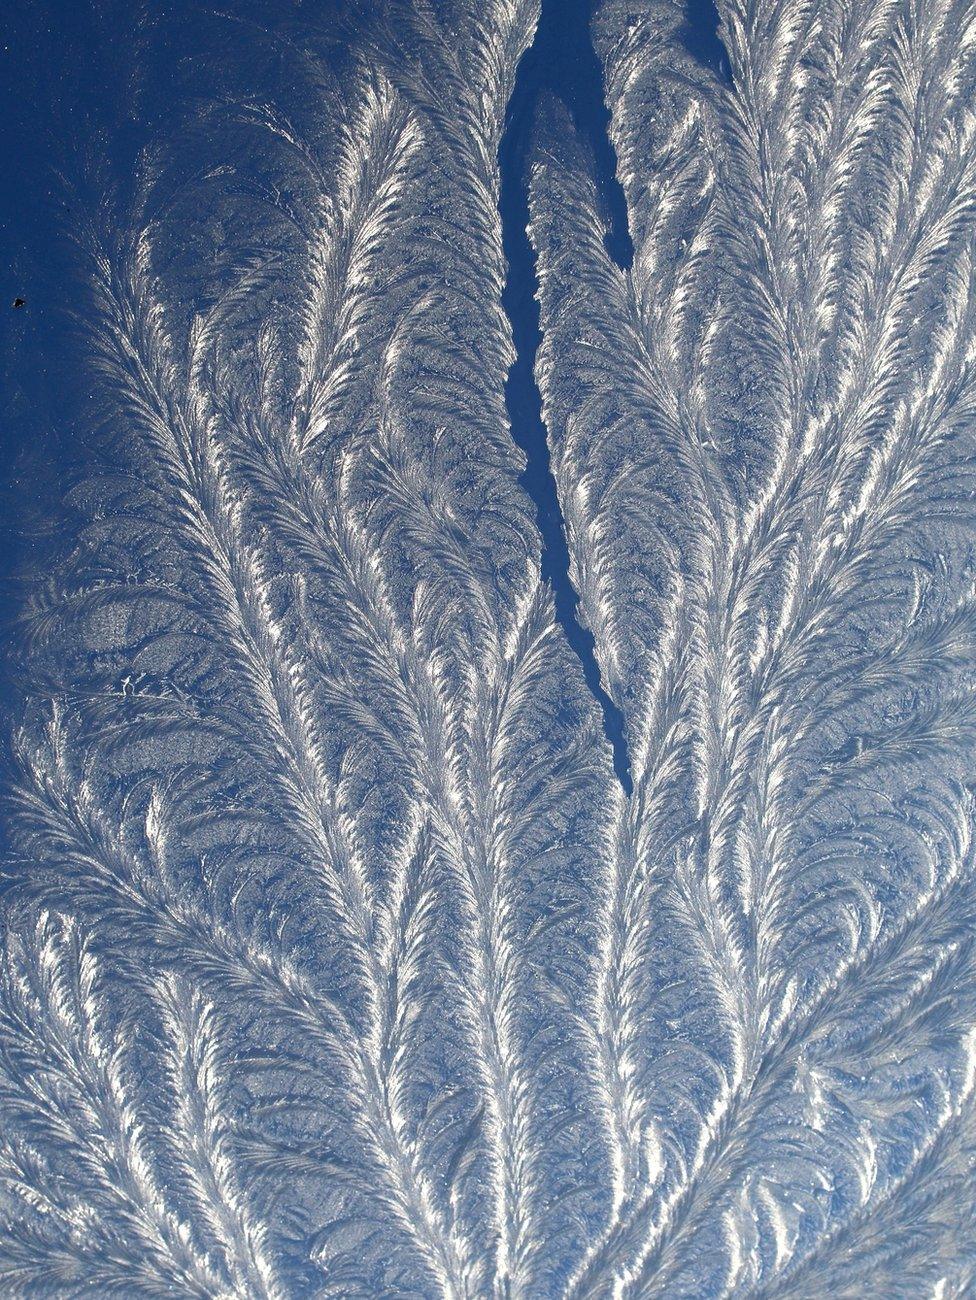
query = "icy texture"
x=762 y=435
x=338 y=961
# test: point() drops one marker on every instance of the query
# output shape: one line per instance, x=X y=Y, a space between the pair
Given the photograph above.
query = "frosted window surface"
x=494 y=821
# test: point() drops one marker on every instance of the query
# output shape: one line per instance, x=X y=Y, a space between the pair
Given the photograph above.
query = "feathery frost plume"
x=337 y=962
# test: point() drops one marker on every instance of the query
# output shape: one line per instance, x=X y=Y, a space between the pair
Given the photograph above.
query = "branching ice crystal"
x=339 y=958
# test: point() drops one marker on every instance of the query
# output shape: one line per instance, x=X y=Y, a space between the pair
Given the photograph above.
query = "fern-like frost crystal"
x=338 y=962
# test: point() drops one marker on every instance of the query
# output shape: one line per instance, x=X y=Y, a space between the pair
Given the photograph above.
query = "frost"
x=338 y=961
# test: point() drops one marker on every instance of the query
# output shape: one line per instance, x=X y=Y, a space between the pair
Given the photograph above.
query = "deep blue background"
x=79 y=103
x=563 y=65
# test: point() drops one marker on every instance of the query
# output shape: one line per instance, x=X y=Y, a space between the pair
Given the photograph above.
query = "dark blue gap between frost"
x=562 y=62
x=701 y=36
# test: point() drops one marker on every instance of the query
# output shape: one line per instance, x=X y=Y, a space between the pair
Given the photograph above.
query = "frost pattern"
x=763 y=441
x=337 y=962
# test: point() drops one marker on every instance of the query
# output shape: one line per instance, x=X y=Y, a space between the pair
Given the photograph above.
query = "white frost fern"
x=779 y=391
x=338 y=962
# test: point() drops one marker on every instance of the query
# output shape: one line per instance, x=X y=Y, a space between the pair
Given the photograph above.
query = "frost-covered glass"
x=384 y=915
